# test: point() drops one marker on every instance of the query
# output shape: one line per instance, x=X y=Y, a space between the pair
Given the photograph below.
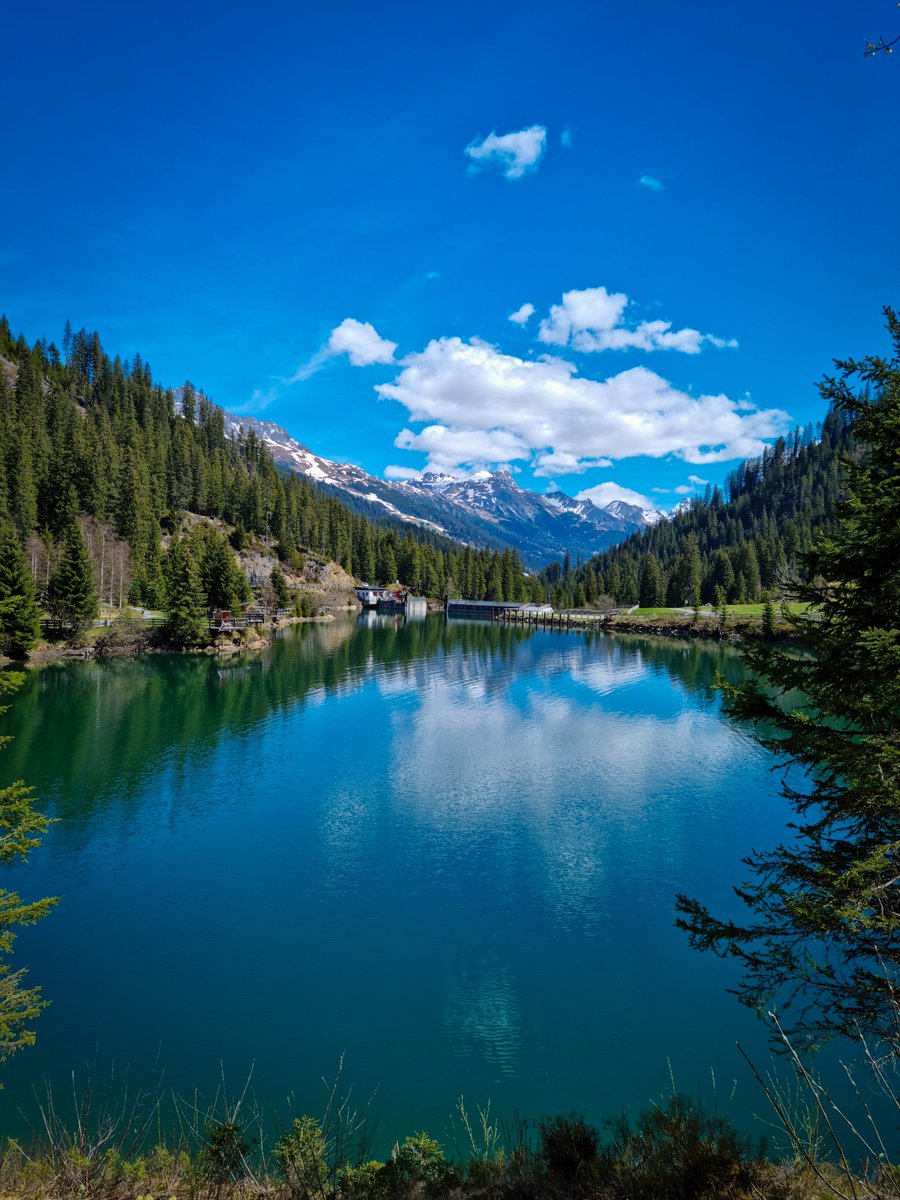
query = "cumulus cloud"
x=592 y=319
x=448 y=448
x=402 y=473
x=561 y=462
x=483 y=406
x=651 y=183
x=513 y=154
x=605 y=493
x=521 y=315
x=683 y=489
x=588 y=310
x=362 y=345
x=697 y=481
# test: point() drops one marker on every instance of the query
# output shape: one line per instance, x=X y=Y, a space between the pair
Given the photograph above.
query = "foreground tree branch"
x=822 y=931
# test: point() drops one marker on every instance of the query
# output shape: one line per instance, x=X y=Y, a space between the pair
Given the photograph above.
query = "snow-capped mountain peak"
x=634 y=513
x=487 y=508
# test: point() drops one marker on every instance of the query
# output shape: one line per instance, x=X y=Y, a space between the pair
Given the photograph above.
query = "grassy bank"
x=677 y=1150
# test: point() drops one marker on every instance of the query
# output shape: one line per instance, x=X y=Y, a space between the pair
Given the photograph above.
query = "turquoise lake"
x=446 y=852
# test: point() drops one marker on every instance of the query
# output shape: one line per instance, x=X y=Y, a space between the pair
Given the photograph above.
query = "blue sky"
x=325 y=215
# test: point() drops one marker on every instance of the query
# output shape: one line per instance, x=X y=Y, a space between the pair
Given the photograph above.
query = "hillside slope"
x=88 y=437
x=487 y=510
x=748 y=540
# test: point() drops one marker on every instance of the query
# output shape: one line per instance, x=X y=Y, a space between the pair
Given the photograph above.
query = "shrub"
x=568 y=1145
x=418 y=1164
x=308 y=604
x=363 y=1182
x=300 y=1154
x=222 y=1154
x=684 y=1152
x=123 y=635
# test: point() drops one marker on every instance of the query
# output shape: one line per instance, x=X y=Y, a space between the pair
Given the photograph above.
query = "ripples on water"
x=448 y=851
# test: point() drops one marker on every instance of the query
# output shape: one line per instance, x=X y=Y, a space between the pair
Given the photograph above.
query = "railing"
x=55 y=627
x=554 y=620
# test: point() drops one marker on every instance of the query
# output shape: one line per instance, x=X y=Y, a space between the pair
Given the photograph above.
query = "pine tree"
x=20 y=624
x=20 y=827
x=692 y=571
x=650 y=588
x=769 y=627
x=720 y=603
x=280 y=588
x=71 y=596
x=823 y=924
x=222 y=579
x=387 y=564
x=186 y=623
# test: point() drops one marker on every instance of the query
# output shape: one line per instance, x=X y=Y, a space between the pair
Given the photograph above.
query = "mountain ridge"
x=489 y=509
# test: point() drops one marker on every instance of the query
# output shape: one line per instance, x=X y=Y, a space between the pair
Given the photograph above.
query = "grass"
x=678 y=1149
x=733 y=610
x=109 y=1142
x=658 y=612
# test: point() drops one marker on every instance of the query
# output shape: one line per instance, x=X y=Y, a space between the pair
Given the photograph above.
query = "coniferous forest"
x=94 y=450
x=93 y=447
x=724 y=548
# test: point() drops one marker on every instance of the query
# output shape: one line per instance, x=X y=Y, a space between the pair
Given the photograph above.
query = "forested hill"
x=87 y=437
x=744 y=542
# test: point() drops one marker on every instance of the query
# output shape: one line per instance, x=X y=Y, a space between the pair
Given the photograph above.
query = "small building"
x=369 y=596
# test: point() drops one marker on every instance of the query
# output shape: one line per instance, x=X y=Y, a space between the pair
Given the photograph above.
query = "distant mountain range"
x=488 y=510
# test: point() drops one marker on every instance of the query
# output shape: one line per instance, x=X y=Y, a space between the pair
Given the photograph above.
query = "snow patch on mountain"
x=487 y=509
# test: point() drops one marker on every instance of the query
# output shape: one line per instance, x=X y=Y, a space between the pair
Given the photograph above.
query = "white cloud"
x=448 y=448
x=605 y=493
x=662 y=491
x=566 y=138
x=589 y=309
x=402 y=473
x=521 y=315
x=684 y=489
x=514 y=154
x=591 y=319
x=651 y=183
x=697 y=481
x=359 y=341
x=561 y=462
x=485 y=406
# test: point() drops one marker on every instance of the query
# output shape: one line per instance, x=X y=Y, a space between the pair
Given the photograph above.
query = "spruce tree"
x=186 y=623
x=692 y=571
x=20 y=827
x=20 y=624
x=823 y=909
x=387 y=564
x=651 y=583
x=222 y=579
x=71 y=594
x=280 y=588
x=769 y=628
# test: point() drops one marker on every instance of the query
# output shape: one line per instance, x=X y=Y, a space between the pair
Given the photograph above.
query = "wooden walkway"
x=53 y=627
x=566 y=622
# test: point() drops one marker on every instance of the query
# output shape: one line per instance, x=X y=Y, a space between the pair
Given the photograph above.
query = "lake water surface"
x=447 y=852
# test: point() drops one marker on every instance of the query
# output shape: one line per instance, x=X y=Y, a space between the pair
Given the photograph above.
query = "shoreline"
x=144 y=642
x=736 y=633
